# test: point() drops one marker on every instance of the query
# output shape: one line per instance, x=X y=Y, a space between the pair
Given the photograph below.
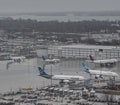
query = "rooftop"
x=90 y=46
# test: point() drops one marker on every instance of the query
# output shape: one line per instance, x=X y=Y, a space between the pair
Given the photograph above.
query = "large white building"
x=83 y=51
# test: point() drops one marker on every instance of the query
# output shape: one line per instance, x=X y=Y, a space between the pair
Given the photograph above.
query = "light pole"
x=101 y=58
x=51 y=74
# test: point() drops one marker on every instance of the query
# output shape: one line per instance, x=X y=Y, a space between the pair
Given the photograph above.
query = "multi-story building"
x=83 y=51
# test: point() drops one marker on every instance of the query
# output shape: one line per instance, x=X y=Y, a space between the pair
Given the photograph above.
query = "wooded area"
x=93 y=26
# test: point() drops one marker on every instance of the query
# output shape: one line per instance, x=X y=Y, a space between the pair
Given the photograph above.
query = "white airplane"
x=103 y=62
x=50 y=61
x=17 y=59
x=99 y=73
x=62 y=78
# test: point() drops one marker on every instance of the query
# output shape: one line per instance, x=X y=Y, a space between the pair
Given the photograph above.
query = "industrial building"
x=83 y=51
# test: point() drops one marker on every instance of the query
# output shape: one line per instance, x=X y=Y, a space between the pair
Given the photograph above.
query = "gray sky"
x=7 y=6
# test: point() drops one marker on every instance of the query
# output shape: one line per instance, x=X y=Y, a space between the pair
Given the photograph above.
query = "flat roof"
x=89 y=46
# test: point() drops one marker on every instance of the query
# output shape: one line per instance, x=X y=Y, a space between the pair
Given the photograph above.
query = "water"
x=26 y=74
x=64 y=18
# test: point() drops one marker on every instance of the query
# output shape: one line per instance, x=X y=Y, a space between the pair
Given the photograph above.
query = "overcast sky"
x=7 y=6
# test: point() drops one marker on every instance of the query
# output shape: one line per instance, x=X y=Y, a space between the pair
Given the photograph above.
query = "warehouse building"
x=83 y=51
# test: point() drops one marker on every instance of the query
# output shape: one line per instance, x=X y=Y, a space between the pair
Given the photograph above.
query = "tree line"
x=86 y=26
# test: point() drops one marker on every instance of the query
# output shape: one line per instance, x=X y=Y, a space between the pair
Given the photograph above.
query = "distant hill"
x=74 y=13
